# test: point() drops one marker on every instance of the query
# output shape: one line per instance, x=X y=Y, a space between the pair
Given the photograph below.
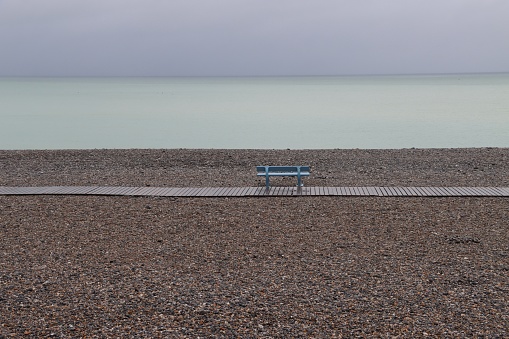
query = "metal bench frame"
x=283 y=171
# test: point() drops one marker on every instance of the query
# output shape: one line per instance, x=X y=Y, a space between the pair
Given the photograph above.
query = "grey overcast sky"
x=252 y=37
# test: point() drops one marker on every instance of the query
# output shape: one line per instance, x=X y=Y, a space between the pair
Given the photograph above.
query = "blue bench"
x=283 y=171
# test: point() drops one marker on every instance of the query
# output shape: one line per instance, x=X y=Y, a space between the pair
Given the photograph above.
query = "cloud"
x=236 y=37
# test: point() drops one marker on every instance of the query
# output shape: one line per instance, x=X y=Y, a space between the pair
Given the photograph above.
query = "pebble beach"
x=269 y=267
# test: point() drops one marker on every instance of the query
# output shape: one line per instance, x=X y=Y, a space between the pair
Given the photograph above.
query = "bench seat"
x=283 y=171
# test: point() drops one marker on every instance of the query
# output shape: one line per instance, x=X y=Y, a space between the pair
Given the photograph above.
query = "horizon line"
x=255 y=76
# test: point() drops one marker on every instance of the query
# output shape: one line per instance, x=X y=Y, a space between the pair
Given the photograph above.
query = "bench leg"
x=267 y=182
x=299 y=181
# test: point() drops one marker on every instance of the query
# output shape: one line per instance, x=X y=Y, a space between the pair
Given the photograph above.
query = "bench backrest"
x=282 y=168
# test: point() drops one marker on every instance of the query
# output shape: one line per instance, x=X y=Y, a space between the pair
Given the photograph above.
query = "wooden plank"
x=179 y=191
x=455 y=191
x=166 y=192
x=436 y=191
x=235 y=192
x=130 y=191
x=46 y=189
x=391 y=192
x=260 y=191
x=199 y=191
x=422 y=191
x=378 y=191
x=430 y=192
x=504 y=191
x=23 y=190
x=249 y=191
x=75 y=190
x=285 y=191
x=241 y=191
x=227 y=192
x=488 y=192
x=98 y=190
x=419 y=192
x=467 y=191
x=395 y=191
x=371 y=191
x=141 y=191
x=13 y=190
x=406 y=191
x=224 y=191
x=55 y=190
x=217 y=191
x=451 y=191
x=5 y=190
x=207 y=192
x=476 y=191
x=68 y=190
x=445 y=191
x=118 y=191
x=38 y=190
x=210 y=192
x=184 y=193
x=385 y=191
x=191 y=192
x=400 y=191
x=238 y=191
x=332 y=191
x=411 y=192
x=156 y=191
x=275 y=191
x=365 y=191
x=442 y=191
x=496 y=192
x=459 y=192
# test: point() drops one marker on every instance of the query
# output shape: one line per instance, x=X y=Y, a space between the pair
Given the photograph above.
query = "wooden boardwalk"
x=260 y=191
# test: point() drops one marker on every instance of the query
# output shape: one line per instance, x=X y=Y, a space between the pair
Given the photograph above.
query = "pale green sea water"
x=249 y=112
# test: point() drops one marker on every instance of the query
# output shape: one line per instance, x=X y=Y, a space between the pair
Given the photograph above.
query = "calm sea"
x=255 y=112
